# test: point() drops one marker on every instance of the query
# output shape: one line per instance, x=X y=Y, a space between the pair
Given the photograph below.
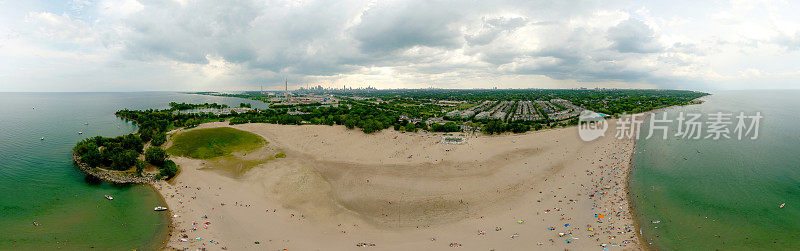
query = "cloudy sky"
x=139 y=45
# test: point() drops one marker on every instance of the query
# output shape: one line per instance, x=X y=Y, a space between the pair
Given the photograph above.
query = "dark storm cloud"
x=391 y=26
x=188 y=34
x=326 y=38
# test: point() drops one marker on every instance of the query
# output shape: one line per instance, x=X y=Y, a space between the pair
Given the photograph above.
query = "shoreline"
x=164 y=239
x=149 y=181
x=175 y=223
x=643 y=244
x=111 y=176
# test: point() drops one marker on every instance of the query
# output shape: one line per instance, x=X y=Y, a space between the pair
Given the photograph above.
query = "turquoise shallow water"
x=39 y=183
x=727 y=196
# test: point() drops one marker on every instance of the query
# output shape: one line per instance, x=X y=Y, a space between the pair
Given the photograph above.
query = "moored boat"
x=109 y=197
x=160 y=209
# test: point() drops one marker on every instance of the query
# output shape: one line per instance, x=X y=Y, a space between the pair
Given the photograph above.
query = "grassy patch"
x=213 y=142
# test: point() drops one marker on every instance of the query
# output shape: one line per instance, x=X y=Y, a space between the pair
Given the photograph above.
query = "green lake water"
x=727 y=195
x=39 y=183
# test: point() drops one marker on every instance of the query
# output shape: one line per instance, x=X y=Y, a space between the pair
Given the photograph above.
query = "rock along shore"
x=113 y=176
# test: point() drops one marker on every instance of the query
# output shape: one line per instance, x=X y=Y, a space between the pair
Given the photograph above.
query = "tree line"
x=122 y=153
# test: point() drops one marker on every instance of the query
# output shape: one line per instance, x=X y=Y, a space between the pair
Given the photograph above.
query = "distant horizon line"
x=191 y=91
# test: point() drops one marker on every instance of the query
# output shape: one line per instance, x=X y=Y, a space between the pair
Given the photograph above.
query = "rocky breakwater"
x=119 y=177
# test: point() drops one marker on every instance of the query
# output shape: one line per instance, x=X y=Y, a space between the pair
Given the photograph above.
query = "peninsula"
x=295 y=175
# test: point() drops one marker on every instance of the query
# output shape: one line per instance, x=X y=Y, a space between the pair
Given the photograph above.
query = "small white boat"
x=87 y=123
x=782 y=205
x=80 y=132
x=160 y=209
x=109 y=197
x=42 y=138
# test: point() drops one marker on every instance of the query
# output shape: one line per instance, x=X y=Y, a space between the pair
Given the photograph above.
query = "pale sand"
x=407 y=191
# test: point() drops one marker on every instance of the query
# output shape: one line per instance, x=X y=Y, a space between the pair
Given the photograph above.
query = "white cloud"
x=61 y=28
x=204 y=44
x=120 y=8
x=218 y=66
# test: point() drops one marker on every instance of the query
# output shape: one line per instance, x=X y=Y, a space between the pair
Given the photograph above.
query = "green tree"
x=146 y=134
x=494 y=126
x=93 y=158
x=422 y=125
x=159 y=139
x=132 y=142
x=140 y=166
x=84 y=147
x=518 y=127
x=446 y=127
x=350 y=122
x=156 y=156
x=410 y=128
x=371 y=126
x=124 y=160
x=169 y=170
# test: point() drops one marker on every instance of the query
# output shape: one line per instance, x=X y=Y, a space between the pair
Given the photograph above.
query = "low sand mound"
x=336 y=188
x=399 y=194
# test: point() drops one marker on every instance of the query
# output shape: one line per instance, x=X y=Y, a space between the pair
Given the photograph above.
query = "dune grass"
x=214 y=142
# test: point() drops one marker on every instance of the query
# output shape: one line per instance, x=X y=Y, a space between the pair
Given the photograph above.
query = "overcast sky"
x=139 y=45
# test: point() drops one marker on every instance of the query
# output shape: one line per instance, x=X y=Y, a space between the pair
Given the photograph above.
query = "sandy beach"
x=340 y=189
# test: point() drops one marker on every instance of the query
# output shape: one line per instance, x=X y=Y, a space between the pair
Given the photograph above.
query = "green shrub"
x=159 y=139
x=410 y=128
x=168 y=170
x=156 y=156
x=446 y=127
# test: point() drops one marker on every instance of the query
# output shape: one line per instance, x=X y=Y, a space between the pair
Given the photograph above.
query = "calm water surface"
x=39 y=183
x=727 y=195
x=724 y=197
